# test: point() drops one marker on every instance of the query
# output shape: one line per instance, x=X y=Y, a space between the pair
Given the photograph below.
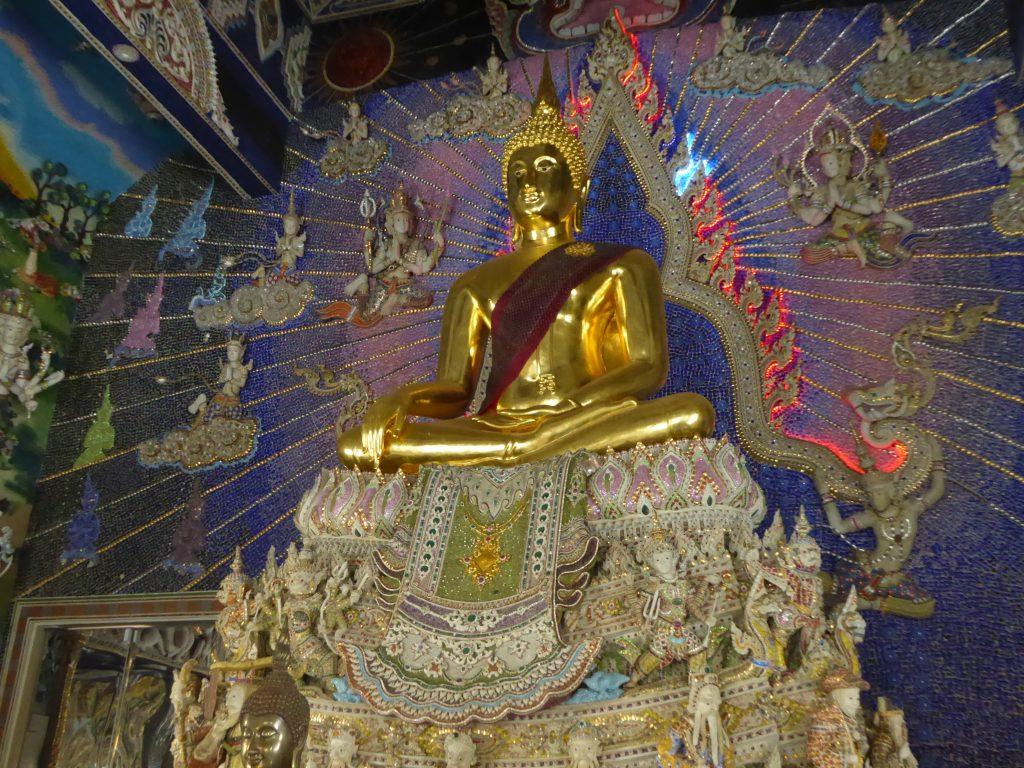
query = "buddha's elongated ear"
x=581 y=206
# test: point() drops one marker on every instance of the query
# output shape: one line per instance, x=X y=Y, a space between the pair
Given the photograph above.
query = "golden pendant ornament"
x=580 y=249
x=486 y=559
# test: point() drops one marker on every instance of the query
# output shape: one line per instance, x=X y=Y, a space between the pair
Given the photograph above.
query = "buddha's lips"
x=583 y=19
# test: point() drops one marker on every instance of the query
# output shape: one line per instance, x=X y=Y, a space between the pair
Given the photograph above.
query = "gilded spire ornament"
x=545 y=126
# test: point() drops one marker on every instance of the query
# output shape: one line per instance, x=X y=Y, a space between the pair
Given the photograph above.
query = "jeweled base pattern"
x=632 y=579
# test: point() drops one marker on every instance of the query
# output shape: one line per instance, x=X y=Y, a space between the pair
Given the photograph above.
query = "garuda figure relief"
x=894 y=501
x=841 y=184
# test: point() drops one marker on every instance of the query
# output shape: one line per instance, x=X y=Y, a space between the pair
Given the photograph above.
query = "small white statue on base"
x=342 y=749
x=494 y=80
x=1008 y=145
x=459 y=750
x=6 y=548
x=584 y=746
x=889 y=745
x=708 y=737
x=356 y=126
x=894 y=43
x=836 y=737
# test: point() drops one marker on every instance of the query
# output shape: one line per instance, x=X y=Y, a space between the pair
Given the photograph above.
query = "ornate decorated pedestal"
x=587 y=604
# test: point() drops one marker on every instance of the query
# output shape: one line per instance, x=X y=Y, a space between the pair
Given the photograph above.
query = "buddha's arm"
x=463 y=335
x=639 y=308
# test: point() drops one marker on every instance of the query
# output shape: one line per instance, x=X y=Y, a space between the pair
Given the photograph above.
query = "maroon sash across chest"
x=531 y=303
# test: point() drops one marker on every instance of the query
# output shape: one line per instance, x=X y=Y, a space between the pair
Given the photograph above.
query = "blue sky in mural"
x=59 y=93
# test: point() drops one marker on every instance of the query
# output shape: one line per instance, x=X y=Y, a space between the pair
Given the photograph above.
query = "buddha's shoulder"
x=631 y=258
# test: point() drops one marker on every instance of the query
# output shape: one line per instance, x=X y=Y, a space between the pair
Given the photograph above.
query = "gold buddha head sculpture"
x=274 y=723
x=545 y=167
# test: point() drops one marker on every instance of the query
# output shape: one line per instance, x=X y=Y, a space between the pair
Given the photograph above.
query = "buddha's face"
x=266 y=741
x=540 y=190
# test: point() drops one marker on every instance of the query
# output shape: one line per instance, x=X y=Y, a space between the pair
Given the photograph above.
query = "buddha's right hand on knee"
x=386 y=416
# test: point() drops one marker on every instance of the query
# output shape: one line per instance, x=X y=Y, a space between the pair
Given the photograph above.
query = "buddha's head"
x=274 y=723
x=546 y=179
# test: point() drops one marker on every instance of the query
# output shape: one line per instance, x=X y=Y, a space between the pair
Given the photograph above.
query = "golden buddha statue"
x=576 y=331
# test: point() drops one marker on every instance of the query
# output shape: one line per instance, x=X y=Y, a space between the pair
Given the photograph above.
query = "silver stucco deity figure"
x=233 y=375
x=490 y=111
x=1008 y=150
x=852 y=197
x=352 y=151
x=673 y=609
x=745 y=66
x=396 y=258
x=274 y=295
x=894 y=42
x=910 y=79
x=836 y=737
x=21 y=378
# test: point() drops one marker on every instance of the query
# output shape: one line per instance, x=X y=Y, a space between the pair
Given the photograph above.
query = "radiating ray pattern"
x=970 y=546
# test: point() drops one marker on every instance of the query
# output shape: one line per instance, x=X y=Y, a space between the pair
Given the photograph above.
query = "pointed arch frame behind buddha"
x=613 y=113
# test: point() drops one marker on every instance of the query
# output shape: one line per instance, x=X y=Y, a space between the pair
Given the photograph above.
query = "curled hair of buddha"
x=277 y=694
x=545 y=126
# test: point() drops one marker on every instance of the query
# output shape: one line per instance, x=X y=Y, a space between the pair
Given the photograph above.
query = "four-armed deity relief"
x=841 y=183
x=397 y=259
